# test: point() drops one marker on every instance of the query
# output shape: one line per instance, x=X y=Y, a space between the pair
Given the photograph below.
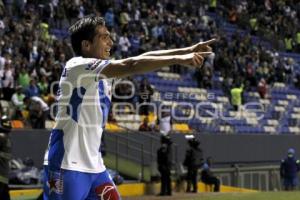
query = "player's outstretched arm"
x=142 y=64
x=199 y=47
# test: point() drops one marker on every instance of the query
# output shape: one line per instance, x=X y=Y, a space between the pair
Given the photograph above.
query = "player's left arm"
x=142 y=64
x=199 y=47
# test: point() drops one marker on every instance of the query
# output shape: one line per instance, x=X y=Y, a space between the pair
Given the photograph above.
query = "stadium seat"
x=291 y=97
x=17 y=124
x=252 y=121
x=183 y=128
x=296 y=109
x=273 y=122
x=270 y=129
x=113 y=127
x=225 y=129
x=295 y=130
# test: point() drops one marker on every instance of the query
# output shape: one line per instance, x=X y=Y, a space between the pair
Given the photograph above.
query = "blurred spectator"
x=62 y=60
x=145 y=127
x=289 y=169
x=226 y=85
x=23 y=78
x=145 y=93
x=43 y=86
x=60 y=15
x=2 y=62
x=193 y=161
x=2 y=10
x=7 y=80
x=297 y=42
x=133 y=88
x=17 y=100
x=110 y=18
x=232 y=15
x=2 y=25
x=9 y=7
x=32 y=90
x=164 y=164
x=164 y=120
x=262 y=88
x=212 y=5
x=124 y=45
x=135 y=41
x=250 y=75
x=45 y=69
x=207 y=176
x=157 y=31
x=44 y=31
x=38 y=111
x=288 y=42
x=253 y=24
x=137 y=15
x=297 y=81
x=204 y=76
x=289 y=69
x=124 y=19
x=125 y=90
x=236 y=96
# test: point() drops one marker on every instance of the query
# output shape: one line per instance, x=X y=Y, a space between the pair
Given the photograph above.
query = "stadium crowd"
x=277 y=21
x=33 y=55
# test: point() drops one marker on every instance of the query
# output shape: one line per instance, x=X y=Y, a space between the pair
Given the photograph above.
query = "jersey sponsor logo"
x=106 y=62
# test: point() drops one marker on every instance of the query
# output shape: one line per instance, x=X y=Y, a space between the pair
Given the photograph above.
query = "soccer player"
x=74 y=168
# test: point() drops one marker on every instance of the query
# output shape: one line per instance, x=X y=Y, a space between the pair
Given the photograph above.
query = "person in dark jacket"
x=207 y=177
x=289 y=169
x=145 y=93
x=5 y=156
x=164 y=162
x=193 y=161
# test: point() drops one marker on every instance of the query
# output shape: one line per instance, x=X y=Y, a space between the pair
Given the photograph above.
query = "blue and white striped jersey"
x=83 y=105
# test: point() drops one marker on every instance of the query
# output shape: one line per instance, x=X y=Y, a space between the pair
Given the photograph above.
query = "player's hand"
x=194 y=59
x=203 y=46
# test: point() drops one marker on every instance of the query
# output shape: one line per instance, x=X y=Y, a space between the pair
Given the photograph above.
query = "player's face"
x=102 y=43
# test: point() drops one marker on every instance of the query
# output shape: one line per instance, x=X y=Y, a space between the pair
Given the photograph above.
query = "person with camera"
x=289 y=168
x=193 y=161
x=208 y=177
x=164 y=162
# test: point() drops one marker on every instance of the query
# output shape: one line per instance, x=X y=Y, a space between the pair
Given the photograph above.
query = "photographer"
x=164 y=162
x=193 y=161
x=207 y=176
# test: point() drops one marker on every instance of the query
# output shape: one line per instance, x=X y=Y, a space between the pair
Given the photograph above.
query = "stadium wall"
x=223 y=148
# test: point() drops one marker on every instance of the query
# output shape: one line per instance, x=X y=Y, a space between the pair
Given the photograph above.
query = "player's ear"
x=85 y=45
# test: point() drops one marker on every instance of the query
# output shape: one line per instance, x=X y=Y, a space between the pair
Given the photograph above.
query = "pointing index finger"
x=204 y=53
x=208 y=42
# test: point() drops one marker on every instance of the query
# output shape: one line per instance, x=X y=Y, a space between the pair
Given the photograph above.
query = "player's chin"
x=106 y=55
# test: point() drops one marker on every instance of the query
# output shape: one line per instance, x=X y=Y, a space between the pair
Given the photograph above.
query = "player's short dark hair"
x=84 y=29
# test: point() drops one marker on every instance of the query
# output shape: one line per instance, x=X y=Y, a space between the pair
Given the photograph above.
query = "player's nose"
x=110 y=42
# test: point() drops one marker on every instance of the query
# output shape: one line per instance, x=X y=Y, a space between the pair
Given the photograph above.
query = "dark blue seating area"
x=276 y=115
